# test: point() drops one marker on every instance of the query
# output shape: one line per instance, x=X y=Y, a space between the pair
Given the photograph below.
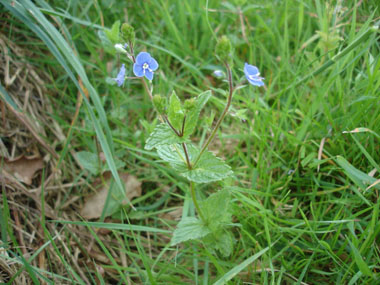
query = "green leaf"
x=175 y=156
x=193 y=115
x=209 y=167
x=238 y=268
x=215 y=209
x=106 y=43
x=175 y=112
x=90 y=162
x=189 y=228
x=222 y=242
x=218 y=218
x=360 y=178
x=363 y=267
x=113 y=33
x=162 y=135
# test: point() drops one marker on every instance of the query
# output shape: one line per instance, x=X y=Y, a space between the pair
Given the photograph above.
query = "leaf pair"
x=215 y=232
x=209 y=168
x=164 y=135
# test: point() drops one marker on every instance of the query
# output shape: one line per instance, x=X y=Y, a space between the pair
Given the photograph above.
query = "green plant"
x=171 y=139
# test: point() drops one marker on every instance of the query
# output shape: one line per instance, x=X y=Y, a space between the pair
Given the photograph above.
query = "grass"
x=304 y=192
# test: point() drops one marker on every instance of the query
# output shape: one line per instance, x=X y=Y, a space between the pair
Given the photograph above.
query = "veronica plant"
x=171 y=140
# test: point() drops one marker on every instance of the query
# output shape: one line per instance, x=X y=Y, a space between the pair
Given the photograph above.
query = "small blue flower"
x=253 y=75
x=120 y=76
x=145 y=65
x=218 y=73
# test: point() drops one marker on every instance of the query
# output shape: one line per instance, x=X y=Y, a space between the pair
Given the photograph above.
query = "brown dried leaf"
x=174 y=215
x=23 y=169
x=93 y=207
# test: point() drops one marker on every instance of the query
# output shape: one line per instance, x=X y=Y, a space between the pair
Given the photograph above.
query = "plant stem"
x=147 y=88
x=171 y=126
x=183 y=126
x=229 y=99
x=193 y=196
x=192 y=190
x=187 y=156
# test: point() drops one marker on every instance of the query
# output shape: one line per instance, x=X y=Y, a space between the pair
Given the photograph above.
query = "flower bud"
x=218 y=74
x=189 y=104
x=223 y=49
x=120 y=48
x=127 y=33
x=159 y=104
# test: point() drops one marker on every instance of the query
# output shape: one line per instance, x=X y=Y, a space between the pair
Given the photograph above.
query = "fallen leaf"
x=22 y=168
x=93 y=207
x=174 y=215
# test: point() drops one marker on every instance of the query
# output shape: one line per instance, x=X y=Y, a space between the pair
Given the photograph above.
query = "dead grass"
x=29 y=138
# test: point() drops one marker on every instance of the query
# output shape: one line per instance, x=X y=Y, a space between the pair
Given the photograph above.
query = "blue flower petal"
x=253 y=75
x=153 y=65
x=143 y=57
x=250 y=69
x=149 y=74
x=138 y=70
x=256 y=82
x=120 y=76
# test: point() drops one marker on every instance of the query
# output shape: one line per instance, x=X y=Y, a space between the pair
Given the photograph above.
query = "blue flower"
x=120 y=76
x=253 y=75
x=145 y=65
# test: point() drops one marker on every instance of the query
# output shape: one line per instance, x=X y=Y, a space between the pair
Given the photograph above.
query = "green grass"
x=302 y=219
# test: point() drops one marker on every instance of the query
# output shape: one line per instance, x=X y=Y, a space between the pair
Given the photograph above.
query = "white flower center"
x=145 y=67
x=255 y=77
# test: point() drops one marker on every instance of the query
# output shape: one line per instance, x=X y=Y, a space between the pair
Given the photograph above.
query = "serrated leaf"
x=88 y=161
x=162 y=135
x=189 y=228
x=209 y=168
x=175 y=112
x=193 y=115
x=221 y=242
x=113 y=33
x=215 y=209
x=175 y=156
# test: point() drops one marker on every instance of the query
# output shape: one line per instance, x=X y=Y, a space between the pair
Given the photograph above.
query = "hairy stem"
x=187 y=156
x=193 y=196
x=171 y=126
x=183 y=126
x=147 y=88
x=229 y=99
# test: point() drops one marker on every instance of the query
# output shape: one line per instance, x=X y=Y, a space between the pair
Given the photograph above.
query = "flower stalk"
x=225 y=111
